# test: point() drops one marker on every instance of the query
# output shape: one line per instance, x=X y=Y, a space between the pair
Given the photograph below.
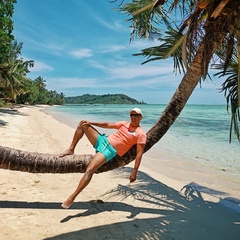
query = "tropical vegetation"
x=15 y=86
x=38 y=94
x=102 y=99
x=205 y=34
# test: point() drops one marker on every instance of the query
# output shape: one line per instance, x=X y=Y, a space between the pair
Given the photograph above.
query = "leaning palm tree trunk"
x=17 y=160
x=45 y=163
x=179 y=99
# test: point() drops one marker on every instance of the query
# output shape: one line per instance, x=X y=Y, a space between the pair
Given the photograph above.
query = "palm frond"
x=170 y=46
x=144 y=17
x=229 y=87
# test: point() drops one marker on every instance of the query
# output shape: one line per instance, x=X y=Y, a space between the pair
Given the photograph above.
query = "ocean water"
x=200 y=133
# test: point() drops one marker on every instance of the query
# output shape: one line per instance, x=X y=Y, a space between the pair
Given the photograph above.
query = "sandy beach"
x=154 y=207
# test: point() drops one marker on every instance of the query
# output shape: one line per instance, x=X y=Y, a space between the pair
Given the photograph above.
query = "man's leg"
x=82 y=128
x=98 y=160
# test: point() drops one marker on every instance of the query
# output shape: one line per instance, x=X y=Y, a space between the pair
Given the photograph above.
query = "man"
x=127 y=135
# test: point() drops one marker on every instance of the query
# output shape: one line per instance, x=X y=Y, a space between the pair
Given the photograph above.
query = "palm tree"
x=6 y=28
x=13 y=73
x=40 y=82
x=13 y=70
x=208 y=26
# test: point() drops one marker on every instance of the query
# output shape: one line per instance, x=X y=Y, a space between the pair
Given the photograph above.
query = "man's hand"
x=133 y=176
x=84 y=122
x=140 y=150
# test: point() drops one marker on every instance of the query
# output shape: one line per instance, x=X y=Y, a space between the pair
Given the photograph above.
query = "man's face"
x=135 y=117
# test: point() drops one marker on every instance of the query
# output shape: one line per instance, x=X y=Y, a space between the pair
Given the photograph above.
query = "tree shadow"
x=193 y=189
x=29 y=205
x=10 y=111
x=159 y=212
x=173 y=214
x=3 y=123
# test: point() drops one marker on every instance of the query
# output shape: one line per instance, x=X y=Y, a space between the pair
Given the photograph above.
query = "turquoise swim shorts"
x=103 y=146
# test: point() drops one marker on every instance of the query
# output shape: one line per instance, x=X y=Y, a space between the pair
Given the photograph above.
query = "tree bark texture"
x=17 y=160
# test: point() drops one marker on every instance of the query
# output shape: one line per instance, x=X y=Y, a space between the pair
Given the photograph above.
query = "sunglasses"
x=135 y=115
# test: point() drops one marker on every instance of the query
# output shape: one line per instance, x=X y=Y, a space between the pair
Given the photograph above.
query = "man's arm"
x=140 y=150
x=101 y=124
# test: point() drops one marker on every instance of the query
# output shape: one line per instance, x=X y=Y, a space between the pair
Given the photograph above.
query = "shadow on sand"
x=10 y=111
x=170 y=214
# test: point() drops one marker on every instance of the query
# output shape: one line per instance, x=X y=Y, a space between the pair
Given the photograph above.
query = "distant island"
x=102 y=99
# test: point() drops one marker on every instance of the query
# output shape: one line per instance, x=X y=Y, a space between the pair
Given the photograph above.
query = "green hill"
x=102 y=99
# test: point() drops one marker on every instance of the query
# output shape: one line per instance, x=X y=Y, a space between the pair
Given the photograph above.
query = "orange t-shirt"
x=126 y=137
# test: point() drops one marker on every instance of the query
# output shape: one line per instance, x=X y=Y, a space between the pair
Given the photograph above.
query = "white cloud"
x=137 y=71
x=140 y=44
x=81 y=53
x=97 y=65
x=113 y=48
x=72 y=82
x=110 y=24
x=40 y=67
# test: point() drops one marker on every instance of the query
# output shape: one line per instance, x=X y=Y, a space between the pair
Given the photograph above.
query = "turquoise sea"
x=200 y=133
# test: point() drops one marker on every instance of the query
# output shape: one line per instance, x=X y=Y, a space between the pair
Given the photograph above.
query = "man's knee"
x=83 y=126
x=79 y=125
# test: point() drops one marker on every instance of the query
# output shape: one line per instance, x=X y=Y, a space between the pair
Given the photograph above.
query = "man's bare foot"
x=67 y=204
x=67 y=152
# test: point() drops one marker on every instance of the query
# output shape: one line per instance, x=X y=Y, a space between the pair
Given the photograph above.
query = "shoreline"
x=110 y=207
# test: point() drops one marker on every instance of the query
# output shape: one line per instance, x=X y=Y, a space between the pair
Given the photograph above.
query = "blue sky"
x=82 y=47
